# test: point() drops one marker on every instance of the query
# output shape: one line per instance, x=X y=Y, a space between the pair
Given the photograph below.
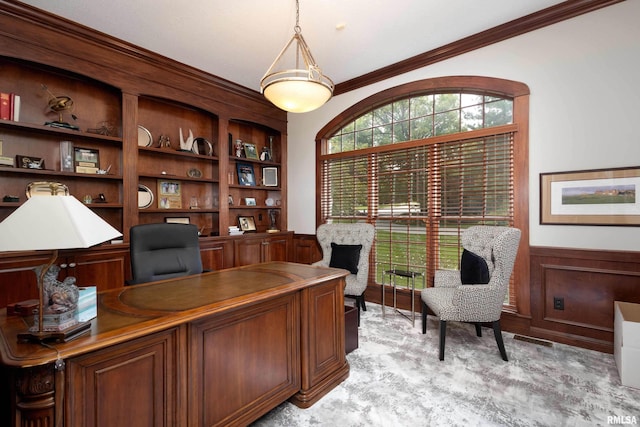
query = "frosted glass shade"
x=297 y=96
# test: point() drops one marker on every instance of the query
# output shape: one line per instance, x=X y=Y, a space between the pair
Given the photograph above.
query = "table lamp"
x=50 y=223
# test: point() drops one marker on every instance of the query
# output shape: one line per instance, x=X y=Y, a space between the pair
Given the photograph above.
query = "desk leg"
x=34 y=396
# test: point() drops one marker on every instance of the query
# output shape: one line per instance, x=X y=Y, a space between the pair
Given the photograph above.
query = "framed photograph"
x=245 y=174
x=169 y=194
x=591 y=197
x=247 y=223
x=250 y=201
x=177 y=220
x=250 y=151
x=270 y=177
x=86 y=160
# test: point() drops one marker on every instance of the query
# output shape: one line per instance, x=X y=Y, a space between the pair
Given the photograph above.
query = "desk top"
x=134 y=311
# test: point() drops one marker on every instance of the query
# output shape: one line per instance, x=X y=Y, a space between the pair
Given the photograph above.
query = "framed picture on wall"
x=591 y=197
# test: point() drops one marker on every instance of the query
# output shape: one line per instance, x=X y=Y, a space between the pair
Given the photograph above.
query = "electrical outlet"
x=558 y=303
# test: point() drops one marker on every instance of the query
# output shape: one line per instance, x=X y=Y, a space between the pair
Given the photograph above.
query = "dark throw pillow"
x=345 y=256
x=473 y=269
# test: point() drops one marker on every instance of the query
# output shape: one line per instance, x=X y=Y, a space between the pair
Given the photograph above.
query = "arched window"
x=424 y=161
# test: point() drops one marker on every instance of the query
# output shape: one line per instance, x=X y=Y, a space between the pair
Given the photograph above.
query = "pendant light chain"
x=297 y=28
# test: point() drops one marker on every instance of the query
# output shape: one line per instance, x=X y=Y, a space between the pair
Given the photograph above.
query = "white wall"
x=584 y=113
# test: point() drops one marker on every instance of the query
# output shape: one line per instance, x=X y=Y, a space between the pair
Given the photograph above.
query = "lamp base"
x=65 y=335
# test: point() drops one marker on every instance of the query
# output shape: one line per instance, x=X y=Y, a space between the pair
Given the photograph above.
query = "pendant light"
x=297 y=90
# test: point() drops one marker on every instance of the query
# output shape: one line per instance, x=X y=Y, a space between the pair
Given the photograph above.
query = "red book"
x=5 y=106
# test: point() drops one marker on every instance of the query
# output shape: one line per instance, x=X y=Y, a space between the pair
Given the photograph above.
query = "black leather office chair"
x=164 y=251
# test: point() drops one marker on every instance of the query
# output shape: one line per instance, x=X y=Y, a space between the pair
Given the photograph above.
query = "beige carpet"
x=396 y=379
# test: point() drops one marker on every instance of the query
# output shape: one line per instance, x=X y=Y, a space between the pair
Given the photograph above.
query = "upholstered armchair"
x=164 y=251
x=477 y=291
x=348 y=246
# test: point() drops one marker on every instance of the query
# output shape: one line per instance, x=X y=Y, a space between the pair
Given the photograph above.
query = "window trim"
x=519 y=92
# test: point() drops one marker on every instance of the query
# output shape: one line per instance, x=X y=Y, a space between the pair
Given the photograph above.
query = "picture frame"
x=270 y=177
x=177 y=220
x=86 y=160
x=247 y=223
x=250 y=201
x=246 y=176
x=591 y=197
x=169 y=194
x=250 y=150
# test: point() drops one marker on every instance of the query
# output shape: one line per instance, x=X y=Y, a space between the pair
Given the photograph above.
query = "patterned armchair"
x=451 y=300
x=348 y=234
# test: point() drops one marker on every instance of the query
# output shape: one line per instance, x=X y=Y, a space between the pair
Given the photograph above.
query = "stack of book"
x=56 y=322
x=9 y=106
x=87 y=304
x=234 y=230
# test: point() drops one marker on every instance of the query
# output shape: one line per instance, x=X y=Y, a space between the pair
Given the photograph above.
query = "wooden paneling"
x=255 y=349
x=588 y=282
x=322 y=343
x=306 y=249
x=139 y=379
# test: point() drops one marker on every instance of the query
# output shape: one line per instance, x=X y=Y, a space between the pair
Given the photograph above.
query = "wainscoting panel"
x=573 y=290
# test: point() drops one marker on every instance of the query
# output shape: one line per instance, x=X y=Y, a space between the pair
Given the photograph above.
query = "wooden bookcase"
x=120 y=87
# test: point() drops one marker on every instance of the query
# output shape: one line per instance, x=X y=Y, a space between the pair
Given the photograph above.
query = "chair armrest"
x=447 y=279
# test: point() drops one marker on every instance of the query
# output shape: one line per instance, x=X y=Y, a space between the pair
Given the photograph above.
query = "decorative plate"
x=145 y=197
x=269 y=202
x=144 y=137
x=202 y=146
x=43 y=188
x=194 y=173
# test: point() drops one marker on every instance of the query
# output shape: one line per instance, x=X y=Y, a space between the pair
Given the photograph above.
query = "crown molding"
x=551 y=15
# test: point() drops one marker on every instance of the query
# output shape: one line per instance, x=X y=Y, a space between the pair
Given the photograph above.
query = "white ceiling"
x=238 y=40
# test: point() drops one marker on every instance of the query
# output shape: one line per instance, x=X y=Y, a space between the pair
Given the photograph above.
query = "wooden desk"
x=221 y=348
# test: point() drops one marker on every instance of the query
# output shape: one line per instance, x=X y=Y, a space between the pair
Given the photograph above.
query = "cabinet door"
x=105 y=270
x=248 y=250
x=131 y=383
x=277 y=248
x=217 y=256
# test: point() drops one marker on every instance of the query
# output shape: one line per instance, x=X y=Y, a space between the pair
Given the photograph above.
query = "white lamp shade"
x=297 y=96
x=53 y=222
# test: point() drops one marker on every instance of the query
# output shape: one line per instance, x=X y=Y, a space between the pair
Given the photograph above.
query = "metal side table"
x=394 y=273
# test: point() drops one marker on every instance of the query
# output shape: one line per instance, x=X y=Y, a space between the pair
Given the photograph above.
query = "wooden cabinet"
x=254 y=249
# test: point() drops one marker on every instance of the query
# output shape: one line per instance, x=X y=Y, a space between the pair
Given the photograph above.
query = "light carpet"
x=396 y=379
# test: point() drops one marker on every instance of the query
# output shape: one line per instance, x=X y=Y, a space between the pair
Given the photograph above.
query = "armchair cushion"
x=345 y=256
x=473 y=269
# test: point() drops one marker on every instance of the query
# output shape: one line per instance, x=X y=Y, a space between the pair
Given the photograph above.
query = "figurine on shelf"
x=164 y=141
x=186 y=145
x=272 y=219
x=265 y=156
x=239 y=148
